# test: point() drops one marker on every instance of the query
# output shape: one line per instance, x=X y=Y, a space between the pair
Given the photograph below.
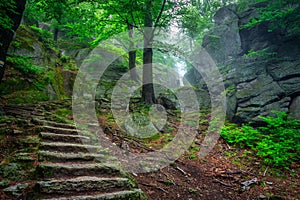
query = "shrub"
x=277 y=142
x=24 y=65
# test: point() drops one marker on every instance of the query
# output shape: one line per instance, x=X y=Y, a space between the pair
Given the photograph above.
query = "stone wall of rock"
x=258 y=83
x=27 y=44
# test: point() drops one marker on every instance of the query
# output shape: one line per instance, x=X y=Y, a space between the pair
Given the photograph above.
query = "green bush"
x=261 y=54
x=277 y=142
x=24 y=65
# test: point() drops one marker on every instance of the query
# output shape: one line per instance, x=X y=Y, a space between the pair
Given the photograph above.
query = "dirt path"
x=67 y=170
x=217 y=177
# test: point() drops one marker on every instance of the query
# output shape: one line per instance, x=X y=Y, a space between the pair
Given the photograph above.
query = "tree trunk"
x=6 y=35
x=132 y=55
x=148 y=96
x=55 y=35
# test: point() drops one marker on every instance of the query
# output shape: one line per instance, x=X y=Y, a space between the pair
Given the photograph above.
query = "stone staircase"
x=72 y=166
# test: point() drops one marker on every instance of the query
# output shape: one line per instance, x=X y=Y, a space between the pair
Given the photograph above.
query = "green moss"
x=31 y=96
x=6 y=119
x=12 y=171
x=43 y=171
x=12 y=85
x=55 y=77
x=231 y=89
x=4 y=183
x=25 y=39
x=63 y=112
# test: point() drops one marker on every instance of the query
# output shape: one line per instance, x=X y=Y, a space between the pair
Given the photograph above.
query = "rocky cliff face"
x=261 y=69
x=29 y=44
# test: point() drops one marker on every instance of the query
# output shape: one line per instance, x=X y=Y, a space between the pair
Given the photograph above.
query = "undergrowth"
x=24 y=65
x=277 y=143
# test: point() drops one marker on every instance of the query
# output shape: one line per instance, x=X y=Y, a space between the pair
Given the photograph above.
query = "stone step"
x=53 y=137
x=75 y=157
x=38 y=114
x=59 y=130
x=135 y=194
x=18 y=113
x=71 y=148
x=54 y=124
x=64 y=170
x=82 y=185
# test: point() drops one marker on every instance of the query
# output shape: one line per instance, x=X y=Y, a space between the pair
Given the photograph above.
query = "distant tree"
x=10 y=18
x=197 y=17
x=115 y=16
x=54 y=11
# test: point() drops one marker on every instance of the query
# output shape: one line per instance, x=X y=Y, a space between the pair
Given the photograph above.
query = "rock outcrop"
x=27 y=44
x=261 y=69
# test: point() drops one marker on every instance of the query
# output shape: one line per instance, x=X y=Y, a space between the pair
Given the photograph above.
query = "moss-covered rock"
x=28 y=42
x=12 y=171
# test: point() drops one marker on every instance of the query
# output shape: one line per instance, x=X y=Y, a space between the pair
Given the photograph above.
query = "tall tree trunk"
x=148 y=96
x=6 y=35
x=132 y=55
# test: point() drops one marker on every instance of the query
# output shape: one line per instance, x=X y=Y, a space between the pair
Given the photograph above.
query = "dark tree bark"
x=132 y=55
x=55 y=35
x=6 y=35
x=148 y=96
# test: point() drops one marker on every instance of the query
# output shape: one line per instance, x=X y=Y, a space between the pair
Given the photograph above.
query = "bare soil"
x=219 y=176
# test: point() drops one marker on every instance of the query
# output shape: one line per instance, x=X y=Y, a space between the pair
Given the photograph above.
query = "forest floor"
x=220 y=176
x=227 y=172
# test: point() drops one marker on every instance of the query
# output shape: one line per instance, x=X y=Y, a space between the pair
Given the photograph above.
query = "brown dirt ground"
x=218 y=176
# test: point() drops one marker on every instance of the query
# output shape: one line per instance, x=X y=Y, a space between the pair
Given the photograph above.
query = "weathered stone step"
x=71 y=148
x=75 y=157
x=54 y=124
x=59 y=130
x=18 y=113
x=135 y=194
x=81 y=185
x=53 y=137
x=64 y=170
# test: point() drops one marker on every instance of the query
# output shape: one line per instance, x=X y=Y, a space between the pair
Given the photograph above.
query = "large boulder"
x=27 y=44
x=259 y=83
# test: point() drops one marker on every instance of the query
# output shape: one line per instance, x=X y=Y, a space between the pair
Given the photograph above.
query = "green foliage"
x=29 y=96
x=278 y=13
x=12 y=171
x=63 y=113
x=17 y=90
x=6 y=7
x=277 y=142
x=56 y=79
x=231 y=89
x=46 y=37
x=197 y=17
x=261 y=54
x=67 y=63
x=24 y=65
x=194 y=24
x=32 y=14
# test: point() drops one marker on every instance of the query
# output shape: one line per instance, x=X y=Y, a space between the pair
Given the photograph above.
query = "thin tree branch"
x=131 y=14
x=160 y=13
